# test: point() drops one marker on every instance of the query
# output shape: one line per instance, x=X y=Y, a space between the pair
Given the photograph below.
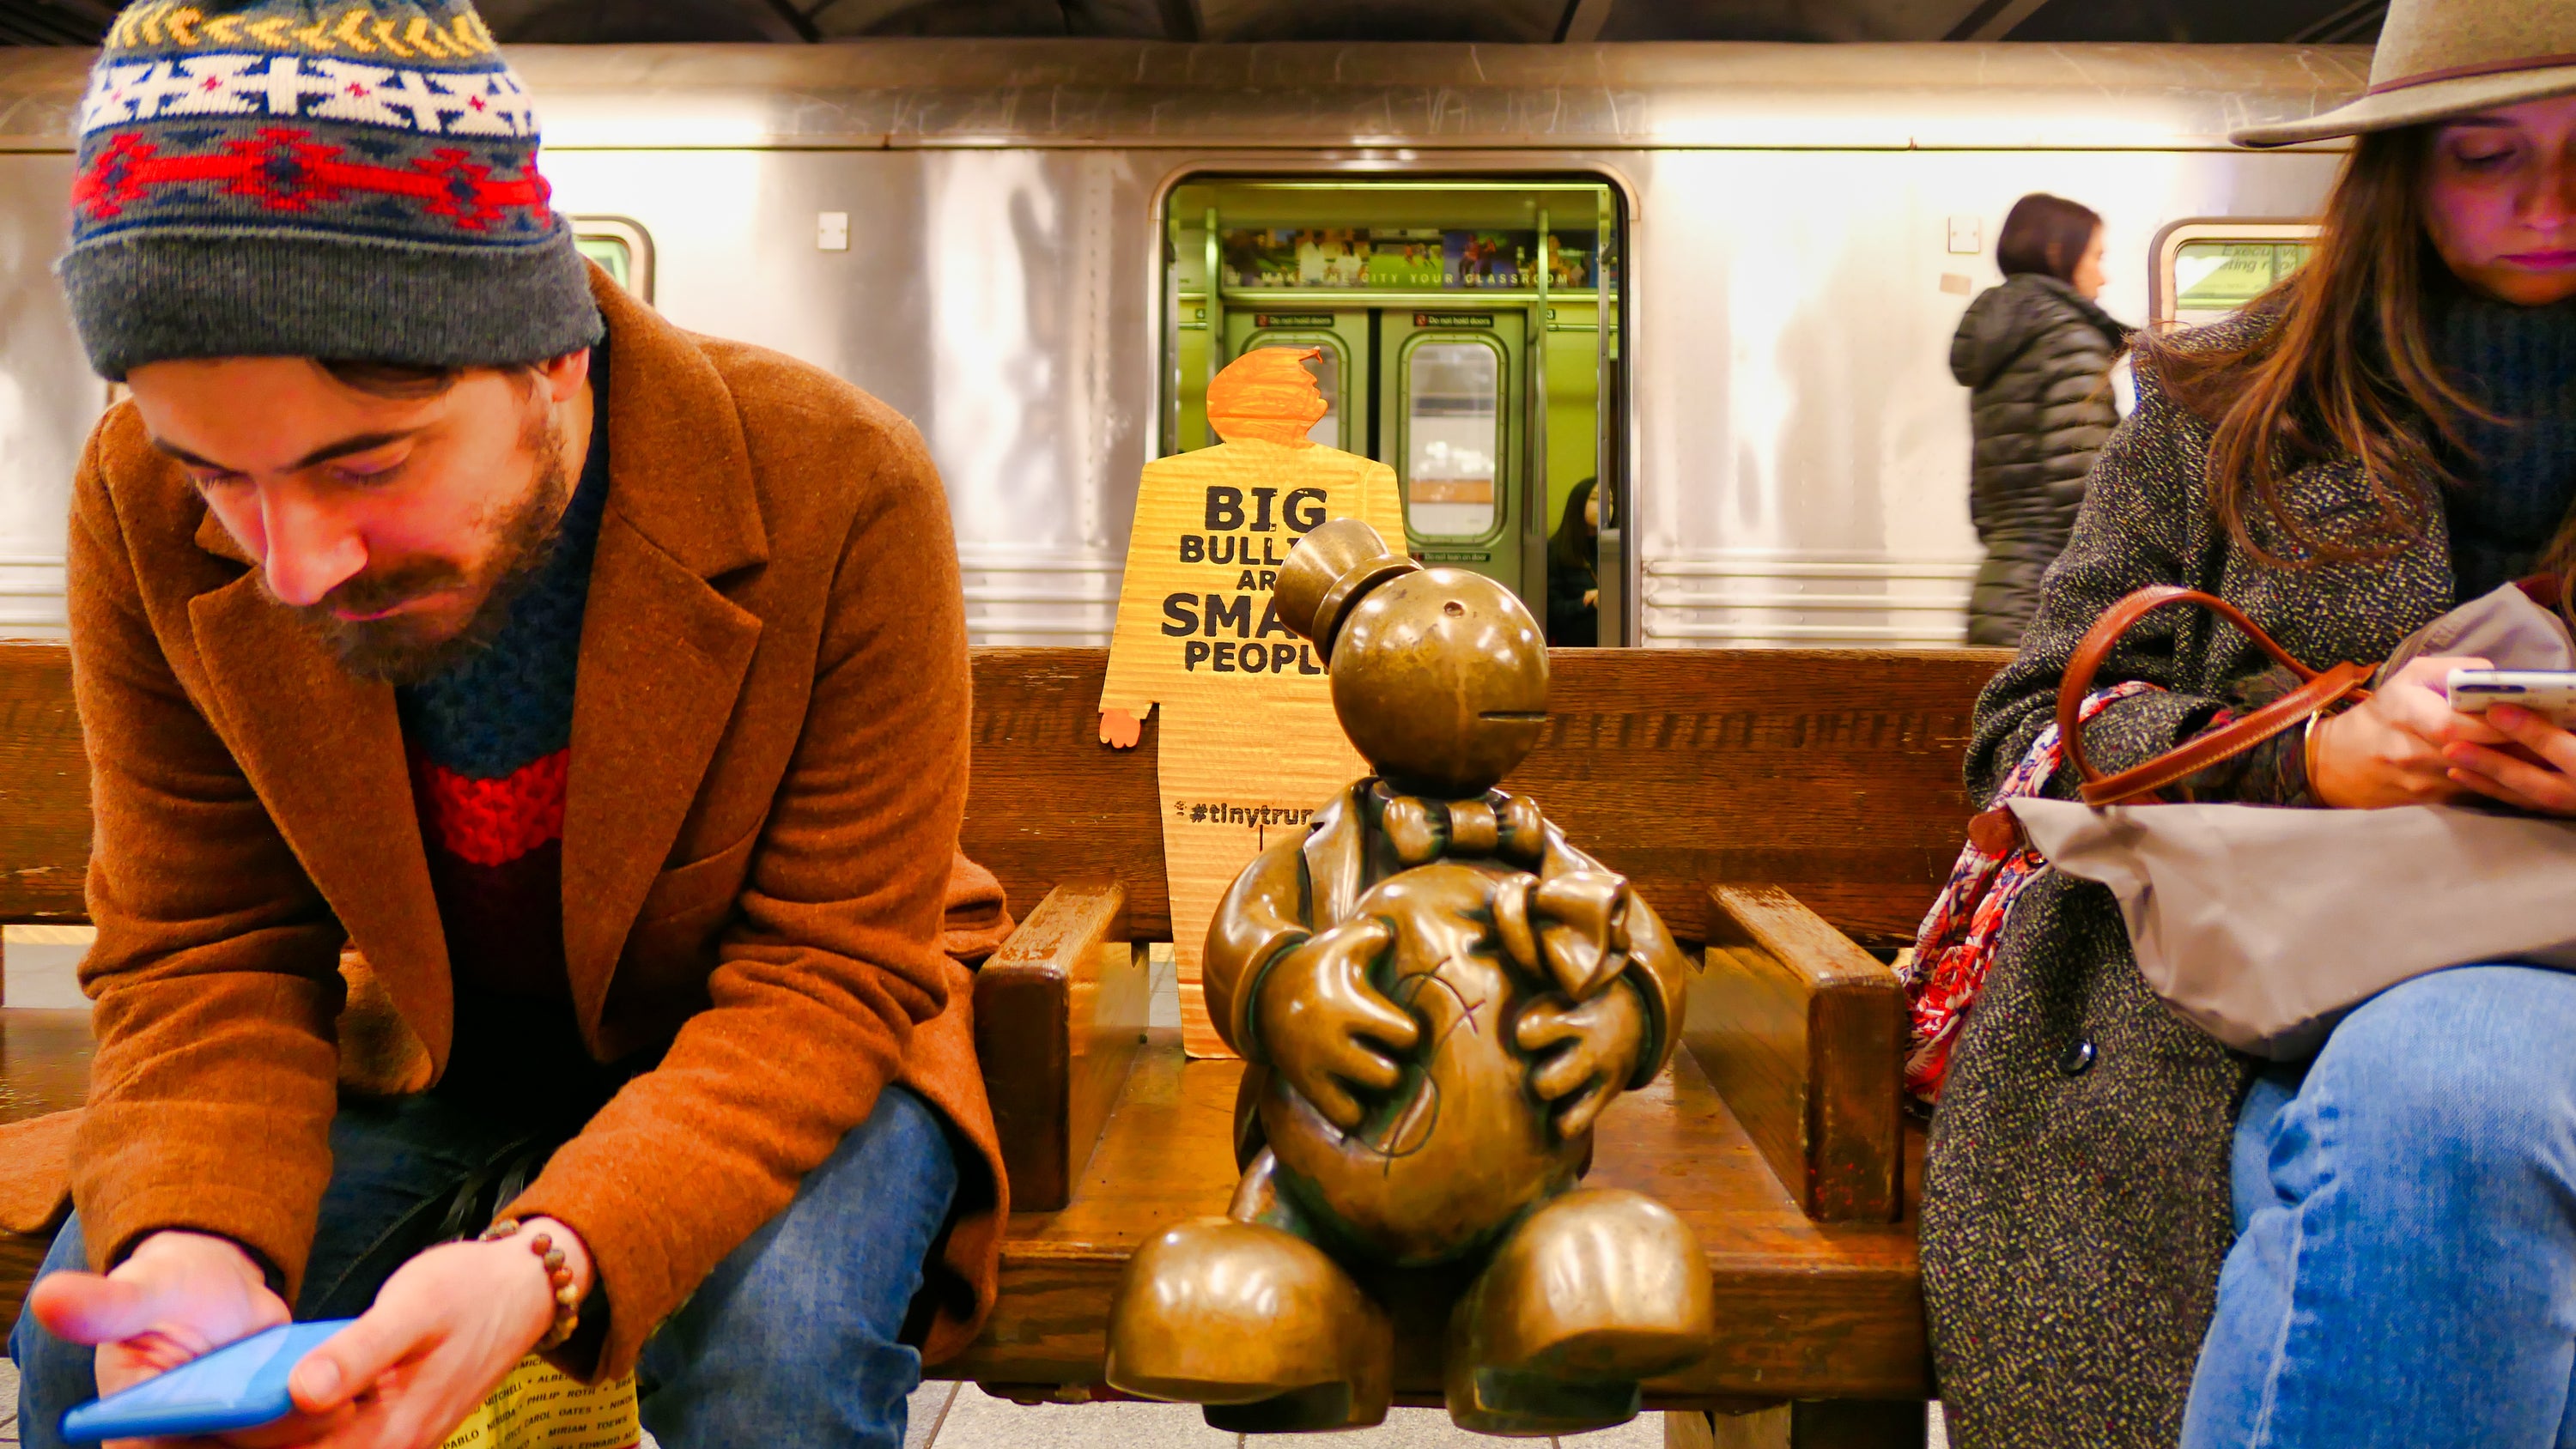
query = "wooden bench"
x=1791 y=812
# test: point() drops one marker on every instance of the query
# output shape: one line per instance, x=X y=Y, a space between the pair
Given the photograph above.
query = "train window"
x=1452 y=436
x=622 y=248
x=2206 y=270
x=1326 y=365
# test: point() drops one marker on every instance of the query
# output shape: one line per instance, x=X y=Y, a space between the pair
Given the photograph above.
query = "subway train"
x=1720 y=278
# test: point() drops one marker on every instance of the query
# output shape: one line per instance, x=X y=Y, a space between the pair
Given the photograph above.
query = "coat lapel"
x=663 y=652
x=323 y=750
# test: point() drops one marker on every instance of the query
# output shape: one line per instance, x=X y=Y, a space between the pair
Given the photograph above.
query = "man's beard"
x=396 y=650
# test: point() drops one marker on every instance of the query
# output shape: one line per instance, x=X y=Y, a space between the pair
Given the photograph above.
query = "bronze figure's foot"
x=1593 y=1293
x=1254 y=1323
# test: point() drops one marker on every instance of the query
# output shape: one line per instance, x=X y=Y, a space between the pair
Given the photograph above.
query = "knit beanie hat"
x=315 y=178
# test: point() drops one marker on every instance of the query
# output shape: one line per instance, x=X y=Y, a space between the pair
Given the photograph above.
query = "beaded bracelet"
x=567 y=1302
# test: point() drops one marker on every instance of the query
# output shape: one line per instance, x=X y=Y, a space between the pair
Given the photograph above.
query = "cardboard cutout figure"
x=1249 y=742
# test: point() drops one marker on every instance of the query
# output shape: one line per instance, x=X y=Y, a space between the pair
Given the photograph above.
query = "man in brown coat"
x=619 y=725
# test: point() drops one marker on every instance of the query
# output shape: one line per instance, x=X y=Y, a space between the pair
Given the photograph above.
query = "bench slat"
x=44 y=787
x=1833 y=773
x=44 y=1067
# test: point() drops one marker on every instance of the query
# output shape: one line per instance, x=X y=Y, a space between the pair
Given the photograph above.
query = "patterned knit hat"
x=315 y=178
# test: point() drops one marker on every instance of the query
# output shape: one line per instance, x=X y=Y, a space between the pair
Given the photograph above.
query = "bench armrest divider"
x=1803 y=1034
x=1059 y=1013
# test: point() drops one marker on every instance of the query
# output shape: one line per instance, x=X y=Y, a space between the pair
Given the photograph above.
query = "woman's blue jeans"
x=2405 y=1267
x=794 y=1339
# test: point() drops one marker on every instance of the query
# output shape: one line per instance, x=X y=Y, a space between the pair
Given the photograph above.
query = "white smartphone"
x=2550 y=693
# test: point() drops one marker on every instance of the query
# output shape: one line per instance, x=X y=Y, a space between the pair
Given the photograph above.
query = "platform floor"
x=958 y=1416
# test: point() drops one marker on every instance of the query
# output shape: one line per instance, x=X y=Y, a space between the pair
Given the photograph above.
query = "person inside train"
x=1573 y=571
x=2036 y=354
x=603 y=685
x=2132 y=1236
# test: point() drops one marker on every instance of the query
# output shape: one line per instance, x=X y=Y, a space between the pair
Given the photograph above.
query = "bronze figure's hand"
x=1582 y=1053
x=1319 y=1019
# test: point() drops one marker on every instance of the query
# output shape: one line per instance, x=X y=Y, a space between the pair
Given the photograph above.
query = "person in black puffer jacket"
x=2038 y=354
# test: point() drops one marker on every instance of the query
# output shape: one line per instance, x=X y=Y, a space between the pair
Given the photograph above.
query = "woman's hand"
x=444 y=1331
x=2395 y=748
x=2536 y=771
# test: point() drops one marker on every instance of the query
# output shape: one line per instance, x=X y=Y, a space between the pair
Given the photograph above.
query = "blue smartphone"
x=239 y=1386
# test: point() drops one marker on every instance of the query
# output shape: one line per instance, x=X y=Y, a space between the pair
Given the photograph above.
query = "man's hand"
x=1595 y=1046
x=1120 y=730
x=446 y=1328
x=176 y=1297
x=1318 y=1017
x=2536 y=771
x=444 y=1331
x=2396 y=748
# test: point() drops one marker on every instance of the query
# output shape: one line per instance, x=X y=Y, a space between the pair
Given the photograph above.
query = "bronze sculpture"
x=1437 y=994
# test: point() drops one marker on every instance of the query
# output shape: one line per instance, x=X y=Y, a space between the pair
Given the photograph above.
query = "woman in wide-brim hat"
x=2132 y=1236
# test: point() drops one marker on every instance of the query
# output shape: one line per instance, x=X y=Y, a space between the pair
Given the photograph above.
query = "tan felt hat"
x=2443 y=58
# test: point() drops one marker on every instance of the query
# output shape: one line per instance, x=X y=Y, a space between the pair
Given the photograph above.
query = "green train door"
x=1432 y=395
x=1465 y=329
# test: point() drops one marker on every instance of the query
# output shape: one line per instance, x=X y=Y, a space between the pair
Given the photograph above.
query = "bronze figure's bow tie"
x=1423 y=830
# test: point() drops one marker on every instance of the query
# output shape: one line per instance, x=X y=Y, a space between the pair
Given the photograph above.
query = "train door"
x=1462 y=339
x=1429 y=393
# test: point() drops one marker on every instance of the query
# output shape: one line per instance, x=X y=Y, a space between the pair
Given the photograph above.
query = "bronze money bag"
x=1436 y=995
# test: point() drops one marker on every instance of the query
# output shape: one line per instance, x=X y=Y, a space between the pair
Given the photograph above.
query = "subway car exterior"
x=1721 y=278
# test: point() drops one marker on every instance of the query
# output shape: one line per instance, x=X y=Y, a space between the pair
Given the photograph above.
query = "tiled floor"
x=961 y=1416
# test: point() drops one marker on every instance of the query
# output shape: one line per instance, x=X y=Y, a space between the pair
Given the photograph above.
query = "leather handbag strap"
x=2317 y=692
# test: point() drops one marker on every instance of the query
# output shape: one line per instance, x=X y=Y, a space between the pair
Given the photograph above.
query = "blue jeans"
x=795 y=1338
x=2405 y=1267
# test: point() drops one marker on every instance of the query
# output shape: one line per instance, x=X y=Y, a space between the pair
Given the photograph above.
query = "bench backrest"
x=44 y=788
x=1834 y=773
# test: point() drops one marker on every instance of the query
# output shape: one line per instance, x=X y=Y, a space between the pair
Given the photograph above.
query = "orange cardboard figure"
x=1249 y=742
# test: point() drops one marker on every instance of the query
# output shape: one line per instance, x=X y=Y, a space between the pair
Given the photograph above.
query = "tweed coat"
x=769 y=748
x=2076 y=1206
x=2037 y=358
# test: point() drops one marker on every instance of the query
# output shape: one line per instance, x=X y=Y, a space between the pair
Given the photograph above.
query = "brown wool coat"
x=768 y=770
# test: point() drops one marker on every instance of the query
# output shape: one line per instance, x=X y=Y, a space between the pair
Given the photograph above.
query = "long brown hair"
x=2345 y=369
